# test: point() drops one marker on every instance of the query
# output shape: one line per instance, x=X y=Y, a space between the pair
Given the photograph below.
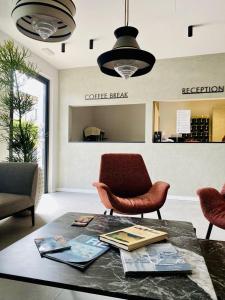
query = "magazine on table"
x=133 y=237
x=84 y=250
x=51 y=244
x=158 y=259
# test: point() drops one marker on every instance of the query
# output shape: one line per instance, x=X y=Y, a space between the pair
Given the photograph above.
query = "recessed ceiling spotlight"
x=45 y=20
x=48 y=51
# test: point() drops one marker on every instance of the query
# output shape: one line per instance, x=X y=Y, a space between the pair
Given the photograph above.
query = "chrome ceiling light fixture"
x=126 y=59
x=45 y=20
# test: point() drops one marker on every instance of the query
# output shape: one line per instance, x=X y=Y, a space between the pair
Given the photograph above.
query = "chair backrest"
x=17 y=178
x=92 y=131
x=125 y=174
x=93 y=134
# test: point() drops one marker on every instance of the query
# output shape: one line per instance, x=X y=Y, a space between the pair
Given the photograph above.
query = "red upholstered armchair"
x=125 y=186
x=213 y=207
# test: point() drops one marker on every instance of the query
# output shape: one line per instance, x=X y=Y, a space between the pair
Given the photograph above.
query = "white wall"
x=122 y=122
x=185 y=166
x=49 y=72
x=79 y=118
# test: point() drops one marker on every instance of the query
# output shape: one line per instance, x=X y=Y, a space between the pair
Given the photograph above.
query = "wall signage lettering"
x=203 y=89
x=104 y=96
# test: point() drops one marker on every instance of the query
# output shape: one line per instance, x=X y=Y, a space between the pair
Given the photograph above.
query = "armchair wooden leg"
x=111 y=212
x=209 y=231
x=32 y=215
x=105 y=212
x=159 y=214
x=142 y=215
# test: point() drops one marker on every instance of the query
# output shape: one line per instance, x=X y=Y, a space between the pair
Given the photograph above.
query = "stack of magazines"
x=133 y=237
x=142 y=251
x=79 y=252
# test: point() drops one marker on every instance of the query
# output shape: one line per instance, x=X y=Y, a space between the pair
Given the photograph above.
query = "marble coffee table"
x=21 y=261
x=214 y=254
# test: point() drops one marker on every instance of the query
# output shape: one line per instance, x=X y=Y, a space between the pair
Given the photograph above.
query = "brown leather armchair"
x=125 y=186
x=213 y=207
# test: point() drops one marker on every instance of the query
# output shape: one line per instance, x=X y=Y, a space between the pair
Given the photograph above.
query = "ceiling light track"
x=91 y=44
x=190 y=31
x=63 y=47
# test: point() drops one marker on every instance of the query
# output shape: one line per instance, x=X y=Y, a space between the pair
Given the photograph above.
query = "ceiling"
x=162 y=25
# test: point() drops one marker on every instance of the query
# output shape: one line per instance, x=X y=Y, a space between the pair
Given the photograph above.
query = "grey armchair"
x=18 y=185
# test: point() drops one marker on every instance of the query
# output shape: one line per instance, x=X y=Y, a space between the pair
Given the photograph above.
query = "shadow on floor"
x=14 y=228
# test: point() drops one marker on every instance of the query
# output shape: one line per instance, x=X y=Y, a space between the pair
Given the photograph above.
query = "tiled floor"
x=52 y=206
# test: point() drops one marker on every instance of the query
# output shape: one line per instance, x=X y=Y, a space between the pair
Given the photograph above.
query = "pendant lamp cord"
x=126 y=12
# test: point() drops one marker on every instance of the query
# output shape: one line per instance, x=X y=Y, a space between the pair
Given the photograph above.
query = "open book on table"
x=84 y=250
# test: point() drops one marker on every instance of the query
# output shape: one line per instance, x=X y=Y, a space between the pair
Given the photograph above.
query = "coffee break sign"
x=103 y=96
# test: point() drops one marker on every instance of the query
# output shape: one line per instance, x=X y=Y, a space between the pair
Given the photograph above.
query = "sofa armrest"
x=34 y=185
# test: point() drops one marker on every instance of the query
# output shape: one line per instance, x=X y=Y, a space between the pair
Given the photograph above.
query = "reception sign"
x=203 y=89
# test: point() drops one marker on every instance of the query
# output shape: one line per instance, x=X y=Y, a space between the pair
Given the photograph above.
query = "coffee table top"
x=21 y=261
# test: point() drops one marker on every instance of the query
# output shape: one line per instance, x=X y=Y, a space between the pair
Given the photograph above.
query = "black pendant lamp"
x=126 y=59
x=45 y=20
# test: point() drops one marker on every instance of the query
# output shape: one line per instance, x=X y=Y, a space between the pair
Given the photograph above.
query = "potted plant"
x=21 y=136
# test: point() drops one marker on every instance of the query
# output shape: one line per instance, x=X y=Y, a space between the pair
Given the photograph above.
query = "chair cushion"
x=140 y=204
x=148 y=202
x=12 y=203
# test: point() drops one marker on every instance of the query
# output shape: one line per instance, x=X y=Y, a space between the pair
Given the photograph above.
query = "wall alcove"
x=120 y=123
x=206 y=121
